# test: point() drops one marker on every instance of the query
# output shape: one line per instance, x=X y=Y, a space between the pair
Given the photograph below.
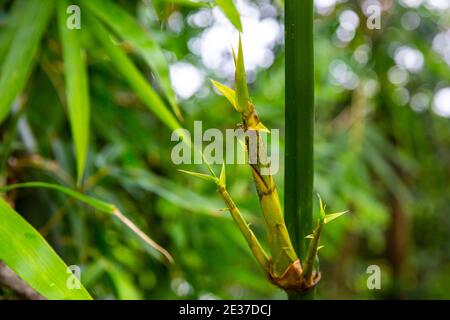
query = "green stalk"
x=244 y=227
x=299 y=119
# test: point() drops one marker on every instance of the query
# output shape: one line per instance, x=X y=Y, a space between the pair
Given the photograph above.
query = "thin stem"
x=312 y=253
x=252 y=241
x=299 y=117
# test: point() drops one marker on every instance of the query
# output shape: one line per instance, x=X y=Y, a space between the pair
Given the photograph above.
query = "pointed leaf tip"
x=201 y=176
x=330 y=217
x=242 y=96
x=222 y=177
x=229 y=9
x=234 y=56
x=321 y=207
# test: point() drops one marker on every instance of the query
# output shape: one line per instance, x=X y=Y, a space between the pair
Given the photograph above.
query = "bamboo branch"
x=9 y=279
x=244 y=227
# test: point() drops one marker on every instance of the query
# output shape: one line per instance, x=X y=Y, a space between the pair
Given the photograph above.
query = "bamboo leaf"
x=234 y=56
x=140 y=39
x=231 y=12
x=259 y=127
x=321 y=207
x=97 y=204
x=228 y=93
x=19 y=59
x=126 y=67
x=26 y=252
x=332 y=216
x=242 y=96
x=201 y=176
x=13 y=21
x=77 y=91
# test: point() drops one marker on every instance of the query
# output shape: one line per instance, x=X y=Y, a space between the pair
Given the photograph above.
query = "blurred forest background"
x=382 y=150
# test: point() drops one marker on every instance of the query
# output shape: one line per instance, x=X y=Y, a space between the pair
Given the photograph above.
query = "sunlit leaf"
x=242 y=96
x=330 y=217
x=26 y=252
x=228 y=93
x=231 y=12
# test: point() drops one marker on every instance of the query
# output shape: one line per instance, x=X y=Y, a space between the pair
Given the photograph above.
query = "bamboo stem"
x=299 y=117
x=283 y=254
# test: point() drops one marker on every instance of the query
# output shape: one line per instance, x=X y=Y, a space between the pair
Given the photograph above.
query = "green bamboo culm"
x=299 y=117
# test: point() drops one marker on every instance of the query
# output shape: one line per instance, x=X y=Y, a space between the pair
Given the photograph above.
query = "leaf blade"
x=231 y=12
x=203 y=176
x=26 y=252
x=242 y=96
x=140 y=39
x=332 y=216
x=135 y=79
x=100 y=205
x=228 y=93
x=19 y=60
x=77 y=91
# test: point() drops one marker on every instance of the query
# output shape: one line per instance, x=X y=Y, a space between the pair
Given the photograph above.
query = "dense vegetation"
x=382 y=143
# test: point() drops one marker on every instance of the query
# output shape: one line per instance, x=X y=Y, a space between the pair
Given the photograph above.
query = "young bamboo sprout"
x=284 y=267
x=311 y=278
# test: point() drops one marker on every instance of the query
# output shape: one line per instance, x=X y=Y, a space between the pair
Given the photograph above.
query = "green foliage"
x=144 y=43
x=77 y=87
x=24 y=250
x=97 y=204
x=133 y=76
x=230 y=11
x=24 y=44
x=242 y=97
x=380 y=155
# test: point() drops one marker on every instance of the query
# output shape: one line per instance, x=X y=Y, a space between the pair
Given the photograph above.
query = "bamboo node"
x=292 y=279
